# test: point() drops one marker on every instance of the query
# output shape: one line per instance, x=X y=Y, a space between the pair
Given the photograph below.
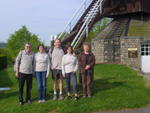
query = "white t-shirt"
x=69 y=63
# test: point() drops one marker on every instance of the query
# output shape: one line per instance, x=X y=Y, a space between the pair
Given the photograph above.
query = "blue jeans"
x=71 y=78
x=41 y=83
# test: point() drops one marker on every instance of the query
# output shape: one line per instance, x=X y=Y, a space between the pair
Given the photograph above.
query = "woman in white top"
x=42 y=68
x=69 y=68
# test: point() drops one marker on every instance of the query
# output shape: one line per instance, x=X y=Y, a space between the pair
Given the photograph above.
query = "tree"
x=17 y=40
x=97 y=28
x=6 y=52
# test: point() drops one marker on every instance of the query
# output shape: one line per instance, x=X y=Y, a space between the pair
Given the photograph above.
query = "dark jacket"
x=84 y=60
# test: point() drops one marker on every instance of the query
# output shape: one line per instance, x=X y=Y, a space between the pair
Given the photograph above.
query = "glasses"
x=28 y=46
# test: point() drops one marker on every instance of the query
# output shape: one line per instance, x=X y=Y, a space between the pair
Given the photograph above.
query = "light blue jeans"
x=41 y=84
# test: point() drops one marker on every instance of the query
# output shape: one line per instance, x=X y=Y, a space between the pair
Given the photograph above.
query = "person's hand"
x=17 y=74
x=87 y=67
x=64 y=75
x=74 y=54
x=47 y=76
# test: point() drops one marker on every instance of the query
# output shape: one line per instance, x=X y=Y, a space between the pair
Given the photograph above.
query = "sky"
x=44 y=18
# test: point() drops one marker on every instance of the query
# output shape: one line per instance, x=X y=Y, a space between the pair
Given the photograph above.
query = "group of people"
x=62 y=63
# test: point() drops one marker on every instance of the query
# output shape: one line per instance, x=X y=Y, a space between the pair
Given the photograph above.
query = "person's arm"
x=34 y=64
x=80 y=61
x=50 y=57
x=50 y=53
x=17 y=64
x=48 y=67
x=93 y=61
x=63 y=66
x=76 y=65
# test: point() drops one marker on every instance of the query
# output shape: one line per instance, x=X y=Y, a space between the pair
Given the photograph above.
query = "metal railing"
x=74 y=19
x=97 y=8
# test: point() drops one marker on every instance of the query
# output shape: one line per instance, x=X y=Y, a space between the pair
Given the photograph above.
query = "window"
x=145 y=49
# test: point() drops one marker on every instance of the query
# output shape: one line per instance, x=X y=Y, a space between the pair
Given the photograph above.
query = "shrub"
x=3 y=62
x=6 y=52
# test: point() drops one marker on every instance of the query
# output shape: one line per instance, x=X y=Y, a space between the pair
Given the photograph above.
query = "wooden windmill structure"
x=86 y=16
x=126 y=39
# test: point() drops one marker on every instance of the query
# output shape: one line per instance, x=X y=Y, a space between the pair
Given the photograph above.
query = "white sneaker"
x=43 y=101
x=40 y=101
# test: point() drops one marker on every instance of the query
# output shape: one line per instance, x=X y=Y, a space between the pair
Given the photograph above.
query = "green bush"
x=3 y=62
x=8 y=53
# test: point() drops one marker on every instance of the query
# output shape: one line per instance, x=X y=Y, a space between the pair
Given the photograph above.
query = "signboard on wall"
x=132 y=52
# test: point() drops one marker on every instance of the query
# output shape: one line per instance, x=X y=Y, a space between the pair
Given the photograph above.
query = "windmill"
x=129 y=19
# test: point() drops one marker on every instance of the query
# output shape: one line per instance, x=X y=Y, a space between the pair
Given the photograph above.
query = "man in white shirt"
x=56 y=55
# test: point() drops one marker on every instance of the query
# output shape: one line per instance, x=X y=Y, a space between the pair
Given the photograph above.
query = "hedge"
x=3 y=62
x=7 y=52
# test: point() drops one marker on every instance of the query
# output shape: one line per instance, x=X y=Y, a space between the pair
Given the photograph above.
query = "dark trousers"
x=22 y=79
x=87 y=84
x=41 y=83
x=71 y=78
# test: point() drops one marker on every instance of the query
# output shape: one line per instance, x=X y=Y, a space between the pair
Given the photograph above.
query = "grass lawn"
x=115 y=87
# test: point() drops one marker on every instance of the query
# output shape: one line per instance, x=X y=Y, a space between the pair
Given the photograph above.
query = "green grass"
x=139 y=29
x=114 y=87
